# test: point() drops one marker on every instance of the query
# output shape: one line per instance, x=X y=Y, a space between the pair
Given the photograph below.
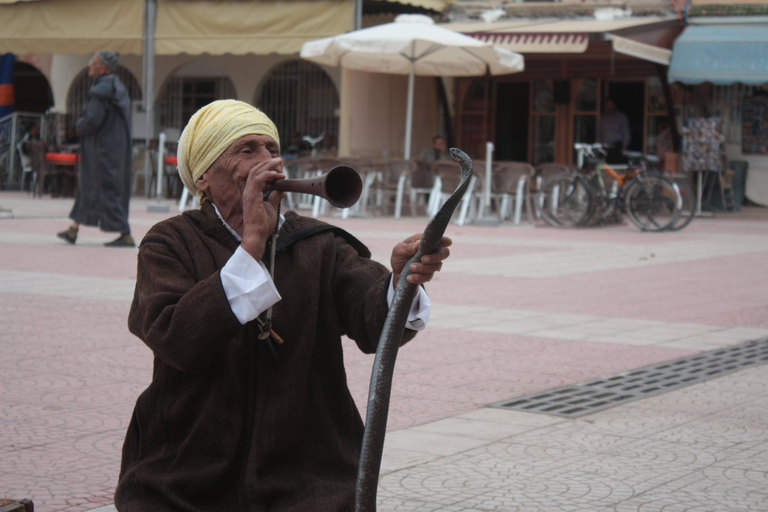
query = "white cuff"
x=248 y=286
x=419 y=314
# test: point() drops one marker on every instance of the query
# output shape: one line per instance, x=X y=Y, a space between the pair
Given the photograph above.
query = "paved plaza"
x=517 y=310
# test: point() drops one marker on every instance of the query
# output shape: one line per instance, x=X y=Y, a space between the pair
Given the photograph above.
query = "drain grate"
x=598 y=394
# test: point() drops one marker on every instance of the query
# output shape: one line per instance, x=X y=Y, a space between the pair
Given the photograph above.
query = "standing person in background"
x=614 y=132
x=438 y=151
x=105 y=155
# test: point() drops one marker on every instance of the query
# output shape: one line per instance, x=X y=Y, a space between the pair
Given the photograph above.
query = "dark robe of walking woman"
x=104 y=186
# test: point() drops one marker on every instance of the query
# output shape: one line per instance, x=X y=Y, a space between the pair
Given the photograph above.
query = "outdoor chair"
x=423 y=187
x=43 y=168
x=478 y=204
x=370 y=173
x=511 y=182
x=26 y=167
x=357 y=163
x=449 y=174
x=393 y=183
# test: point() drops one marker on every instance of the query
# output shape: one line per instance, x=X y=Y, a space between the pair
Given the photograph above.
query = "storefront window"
x=657 y=102
x=543 y=139
x=543 y=98
x=658 y=137
x=543 y=123
x=586 y=98
x=585 y=112
x=473 y=134
x=584 y=128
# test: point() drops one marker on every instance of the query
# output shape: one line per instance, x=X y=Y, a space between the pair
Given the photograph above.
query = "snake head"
x=463 y=160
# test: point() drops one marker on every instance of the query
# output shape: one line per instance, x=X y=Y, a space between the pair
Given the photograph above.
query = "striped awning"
x=562 y=36
x=522 y=42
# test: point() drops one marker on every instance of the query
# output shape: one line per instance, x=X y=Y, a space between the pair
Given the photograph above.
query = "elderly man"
x=104 y=178
x=249 y=408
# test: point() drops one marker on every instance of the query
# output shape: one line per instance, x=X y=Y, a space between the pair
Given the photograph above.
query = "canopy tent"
x=183 y=26
x=721 y=55
x=412 y=45
x=71 y=26
x=241 y=27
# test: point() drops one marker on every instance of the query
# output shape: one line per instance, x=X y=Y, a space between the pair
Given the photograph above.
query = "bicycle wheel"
x=652 y=203
x=688 y=208
x=564 y=200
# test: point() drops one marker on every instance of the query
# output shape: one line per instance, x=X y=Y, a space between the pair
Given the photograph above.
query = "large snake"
x=389 y=343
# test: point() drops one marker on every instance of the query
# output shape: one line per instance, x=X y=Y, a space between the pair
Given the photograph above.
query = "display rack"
x=702 y=149
x=754 y=137
x=702 y=144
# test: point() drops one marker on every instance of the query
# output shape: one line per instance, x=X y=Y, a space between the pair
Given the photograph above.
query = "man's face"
x=609 y=106
x=223 y=183
x=439 y=144
x=96 y=67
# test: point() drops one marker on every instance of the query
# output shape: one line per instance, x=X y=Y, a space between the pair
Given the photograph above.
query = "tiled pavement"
x=517 y=310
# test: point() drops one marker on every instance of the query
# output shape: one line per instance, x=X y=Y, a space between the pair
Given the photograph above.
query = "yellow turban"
x=210 y=132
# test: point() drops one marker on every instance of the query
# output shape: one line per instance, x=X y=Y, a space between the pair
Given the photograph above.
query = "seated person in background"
x=33 y=135
x=438 y=151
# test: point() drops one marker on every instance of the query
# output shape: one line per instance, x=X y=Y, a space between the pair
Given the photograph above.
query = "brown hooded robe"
x=225 y=425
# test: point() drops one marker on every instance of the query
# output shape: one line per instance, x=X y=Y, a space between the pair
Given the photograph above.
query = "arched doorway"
x=193 y=85
x=301 y=99
x=78 y=92
x=32 y=91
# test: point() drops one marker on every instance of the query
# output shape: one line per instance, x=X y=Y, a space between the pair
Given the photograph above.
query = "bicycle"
x=688 y=206
x=651 y=202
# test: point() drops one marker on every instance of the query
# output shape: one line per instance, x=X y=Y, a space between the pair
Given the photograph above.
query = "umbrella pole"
x=409 y=116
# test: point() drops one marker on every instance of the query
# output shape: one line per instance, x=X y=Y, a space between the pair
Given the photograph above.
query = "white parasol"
x=412 y=45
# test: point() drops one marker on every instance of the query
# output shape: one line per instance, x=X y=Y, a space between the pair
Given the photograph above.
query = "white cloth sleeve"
x=248 y=286
x=419 y=314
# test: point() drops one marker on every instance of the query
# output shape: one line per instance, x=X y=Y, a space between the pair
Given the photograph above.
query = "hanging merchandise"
x=754 y=139
x=702 y=143
x=6 y=85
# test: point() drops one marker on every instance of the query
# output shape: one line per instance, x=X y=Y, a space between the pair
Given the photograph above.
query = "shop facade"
x=203 y=51
x=719 y=72
x=570 y=69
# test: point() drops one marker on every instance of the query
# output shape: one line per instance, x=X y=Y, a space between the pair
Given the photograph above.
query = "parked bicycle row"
x=600 y=192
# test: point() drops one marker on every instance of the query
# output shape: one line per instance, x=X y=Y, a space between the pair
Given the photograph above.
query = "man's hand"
x=430 y=263
x=260 y=216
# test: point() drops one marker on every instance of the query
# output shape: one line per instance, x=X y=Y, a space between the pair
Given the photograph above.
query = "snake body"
x=389 y=343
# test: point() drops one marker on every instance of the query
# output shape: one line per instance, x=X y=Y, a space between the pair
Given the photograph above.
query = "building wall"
x=377 y=110
x=246 y=72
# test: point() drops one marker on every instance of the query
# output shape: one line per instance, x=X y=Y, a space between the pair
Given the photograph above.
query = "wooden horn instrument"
x=341 y=186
